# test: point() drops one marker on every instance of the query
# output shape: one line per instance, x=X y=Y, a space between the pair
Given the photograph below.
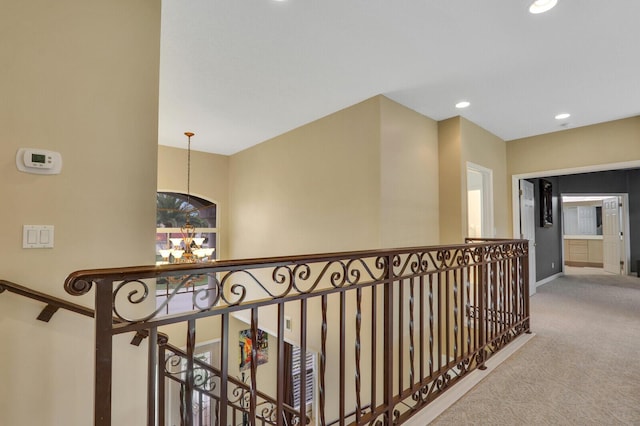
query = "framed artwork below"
x=246 y=347
x=546 y=204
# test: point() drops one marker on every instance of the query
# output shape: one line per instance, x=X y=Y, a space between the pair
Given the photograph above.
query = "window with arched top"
x=173 y=211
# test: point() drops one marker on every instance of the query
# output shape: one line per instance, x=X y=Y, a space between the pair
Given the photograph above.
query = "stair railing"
x=394 y=328
x=168 y=352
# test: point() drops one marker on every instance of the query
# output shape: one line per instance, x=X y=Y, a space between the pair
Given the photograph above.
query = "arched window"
x=172 y=212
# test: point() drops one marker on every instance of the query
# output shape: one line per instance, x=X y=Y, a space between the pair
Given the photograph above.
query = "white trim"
x=581 y=169
x=549 y=279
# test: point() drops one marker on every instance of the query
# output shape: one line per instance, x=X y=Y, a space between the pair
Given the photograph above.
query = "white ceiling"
x=239 y=72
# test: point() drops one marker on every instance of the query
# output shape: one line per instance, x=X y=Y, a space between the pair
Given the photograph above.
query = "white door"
x=611 y=235
x=528 y=228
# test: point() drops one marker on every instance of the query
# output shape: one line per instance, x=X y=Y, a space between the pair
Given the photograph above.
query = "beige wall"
x=461 y=141
x=79 y=77
x=312 y=190
x=594 y=146
x=453 y=220
x=409 y=213
x=605 y=143
x=362 y=178
x=209 y=180
x=487 y=150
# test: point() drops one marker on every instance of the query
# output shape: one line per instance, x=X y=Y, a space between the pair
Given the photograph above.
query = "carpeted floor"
x=581 y=368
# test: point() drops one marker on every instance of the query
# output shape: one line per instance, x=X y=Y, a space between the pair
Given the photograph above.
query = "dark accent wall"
x=633 y=186
x=548 y=240
x=614 y=181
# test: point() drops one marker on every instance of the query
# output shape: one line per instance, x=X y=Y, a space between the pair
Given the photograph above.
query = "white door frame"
x=625 y=248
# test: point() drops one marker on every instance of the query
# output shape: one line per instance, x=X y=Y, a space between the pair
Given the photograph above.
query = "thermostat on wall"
x=39 y=161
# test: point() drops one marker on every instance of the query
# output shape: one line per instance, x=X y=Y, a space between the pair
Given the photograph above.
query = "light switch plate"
x=37 y=236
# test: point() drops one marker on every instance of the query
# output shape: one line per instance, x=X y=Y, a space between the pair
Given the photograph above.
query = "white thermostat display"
x=38 y=161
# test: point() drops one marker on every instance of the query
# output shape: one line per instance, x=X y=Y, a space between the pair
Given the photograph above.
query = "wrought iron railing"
x=393 y=330
x=206 y=374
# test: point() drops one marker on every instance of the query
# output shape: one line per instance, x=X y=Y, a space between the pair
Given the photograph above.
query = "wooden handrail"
x=80 y=282
x=53 y=303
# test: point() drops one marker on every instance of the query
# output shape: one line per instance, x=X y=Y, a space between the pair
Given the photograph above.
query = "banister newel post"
x=526 y=284
x=482 y=289
x=104 y=352
x=388 y=340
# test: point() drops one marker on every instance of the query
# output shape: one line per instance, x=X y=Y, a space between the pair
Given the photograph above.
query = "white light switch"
x=32 y=236
x=37 y=236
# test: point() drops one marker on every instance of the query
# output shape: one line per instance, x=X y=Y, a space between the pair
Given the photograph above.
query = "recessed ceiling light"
x=563 y=116
x=463 y=104
x=541 y=6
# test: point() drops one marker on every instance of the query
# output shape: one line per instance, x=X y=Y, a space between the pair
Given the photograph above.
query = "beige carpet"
x=581 y=368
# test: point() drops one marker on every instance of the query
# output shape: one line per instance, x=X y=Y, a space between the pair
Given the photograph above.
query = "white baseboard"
x=437 y=407
x=549 y=279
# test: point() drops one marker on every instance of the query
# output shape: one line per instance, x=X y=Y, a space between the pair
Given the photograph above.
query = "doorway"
x=594 y=183
x=479 y=201
x=595 y=233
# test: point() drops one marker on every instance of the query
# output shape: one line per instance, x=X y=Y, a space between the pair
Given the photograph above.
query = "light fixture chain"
x=189 y=168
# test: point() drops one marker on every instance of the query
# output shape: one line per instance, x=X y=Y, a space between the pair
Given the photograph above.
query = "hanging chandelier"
x=189 y=247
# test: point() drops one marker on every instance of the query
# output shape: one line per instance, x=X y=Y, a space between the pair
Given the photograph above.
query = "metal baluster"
x=456 y=282
x=401 y=335
x=411 y=337
x=303 y=361
x=343 y=350
x=323 y=361
x=431 y=354
x=281 y=372
x=447 y=308
x=422 y=327
x=253 y=366
x=162 y=356
x=374 y=345
x=104 y=353
x=358 y=345
x=224 y=368
x=152 y=377
x=482 y=290
x=189 y=387
x=388 y=340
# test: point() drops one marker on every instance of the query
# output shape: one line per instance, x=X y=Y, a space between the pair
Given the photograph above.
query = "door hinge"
x=619 y=204
x=521 y=193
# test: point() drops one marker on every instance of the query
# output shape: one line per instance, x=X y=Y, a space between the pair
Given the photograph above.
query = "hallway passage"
x=581 y=368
